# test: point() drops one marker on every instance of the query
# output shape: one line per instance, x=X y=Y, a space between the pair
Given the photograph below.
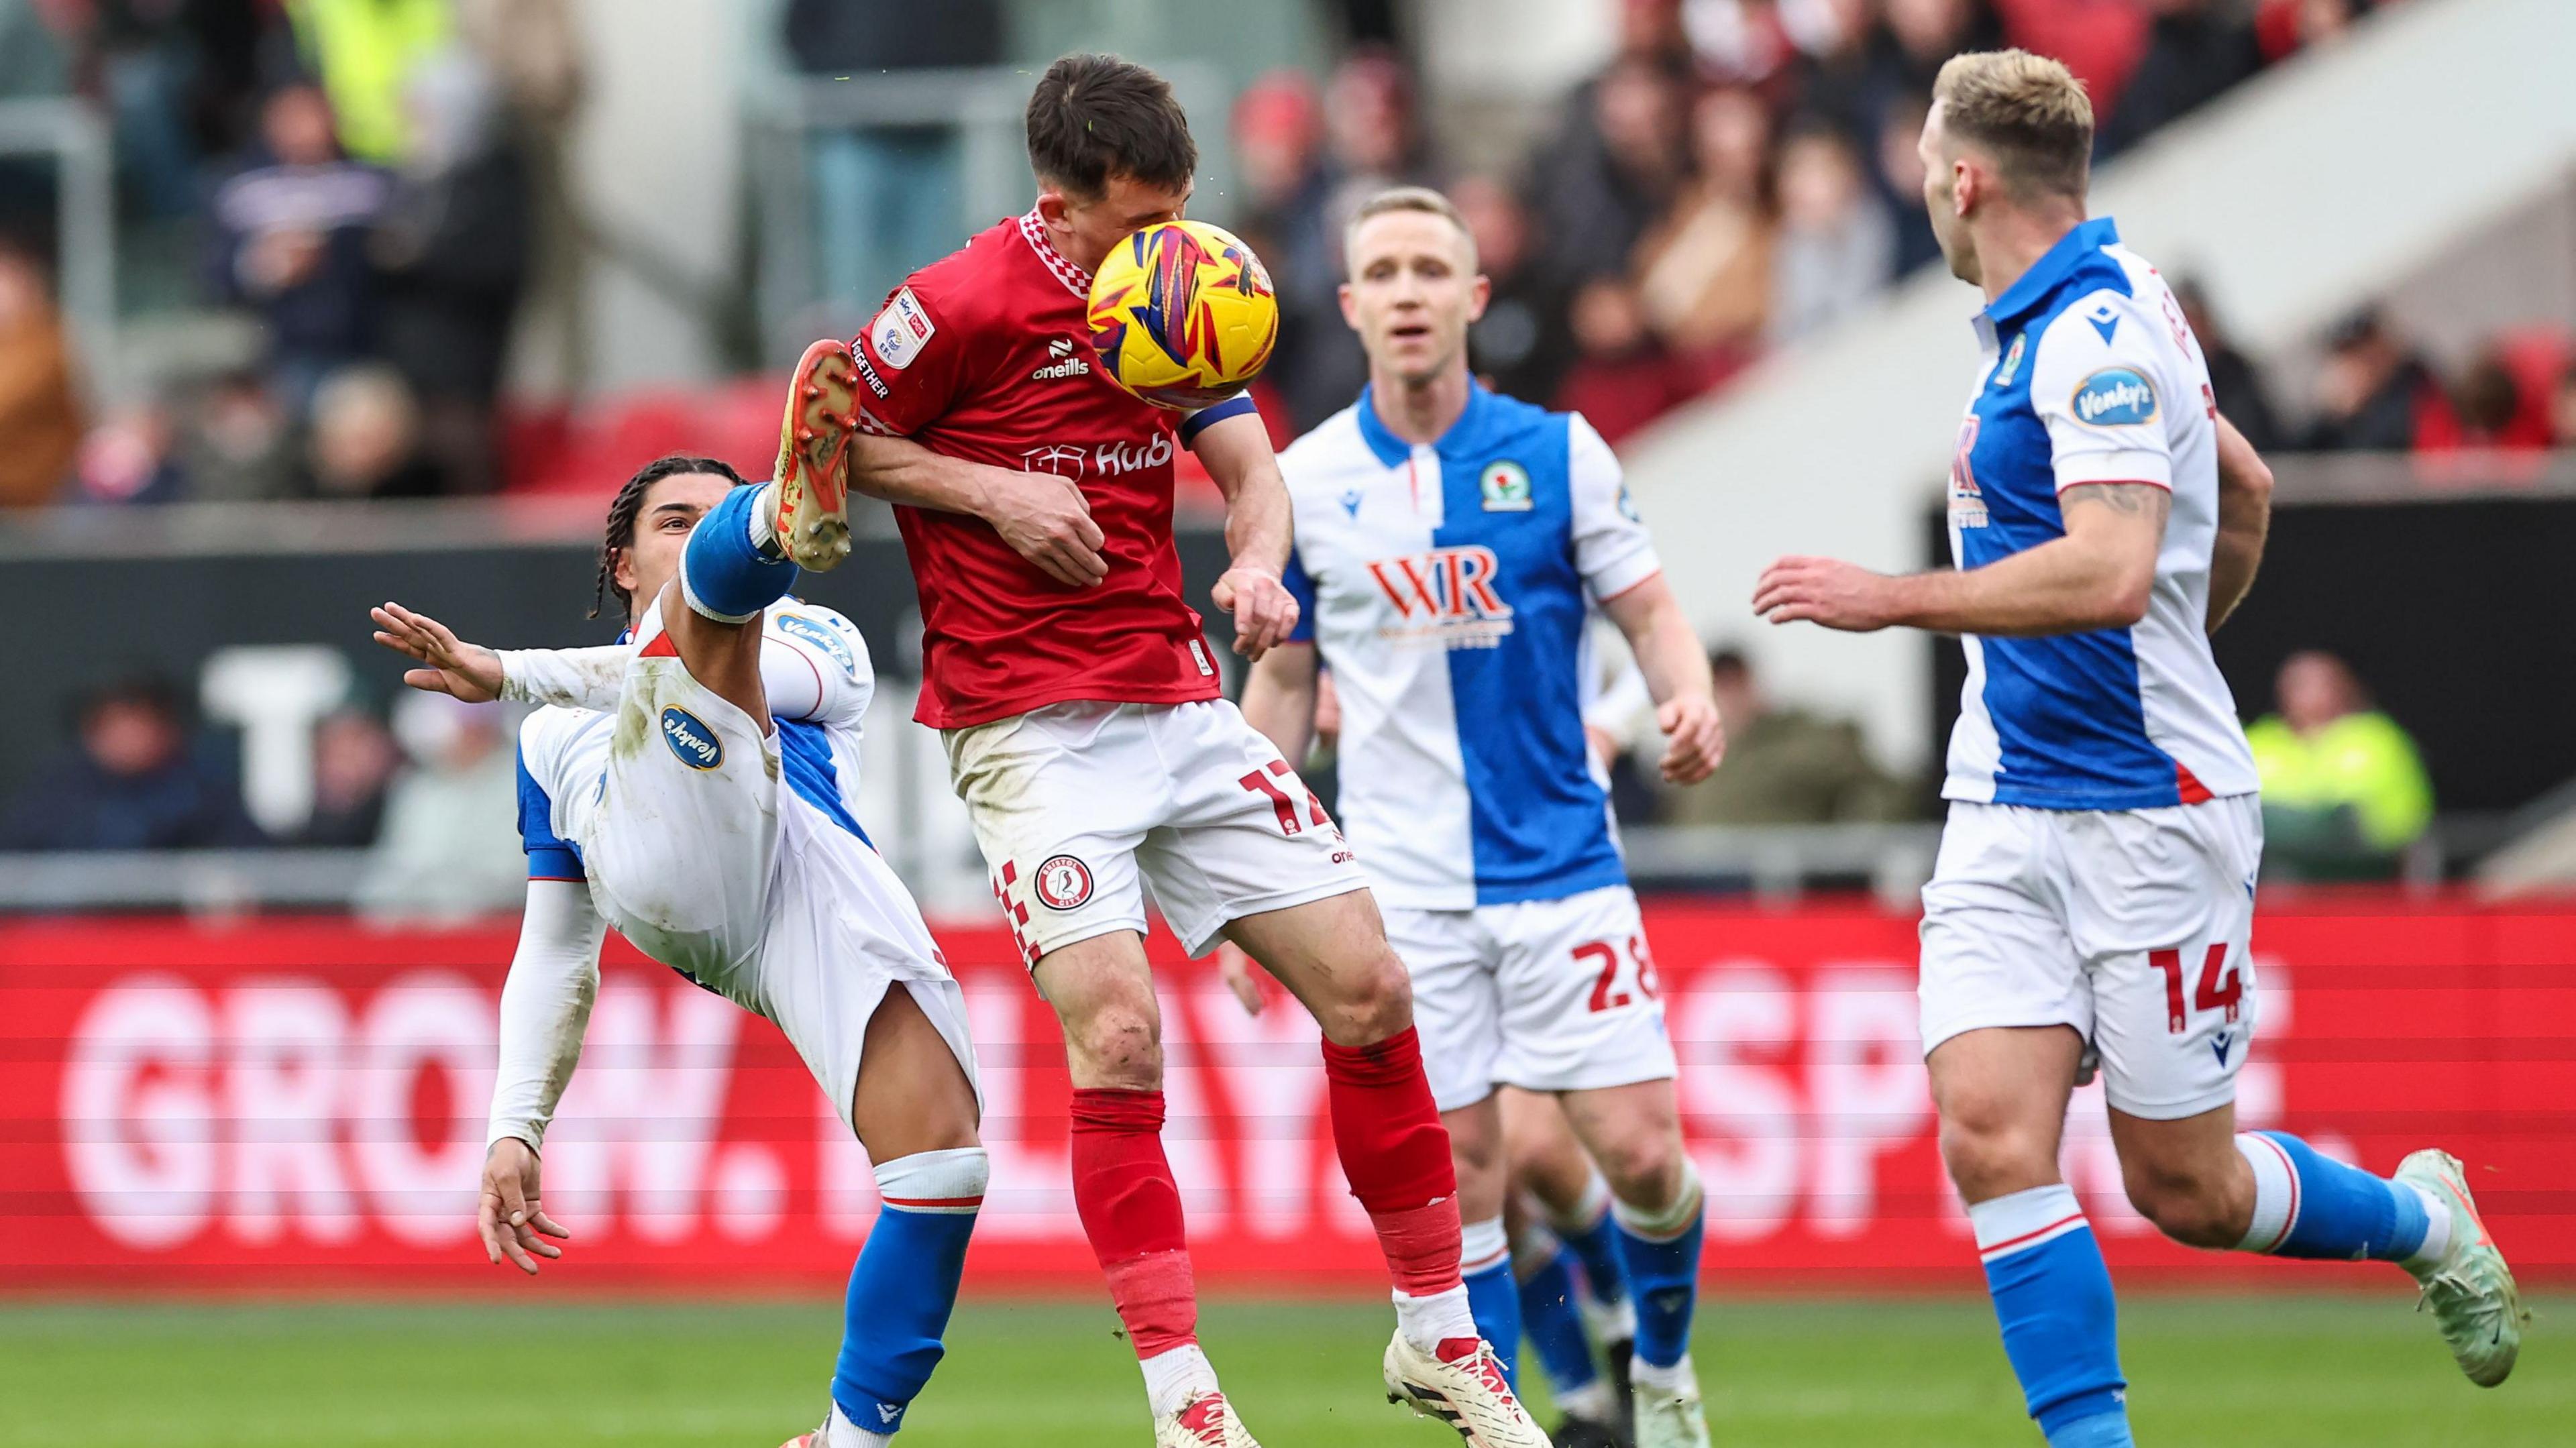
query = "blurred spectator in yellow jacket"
x=2344 y=792
x=365 y=52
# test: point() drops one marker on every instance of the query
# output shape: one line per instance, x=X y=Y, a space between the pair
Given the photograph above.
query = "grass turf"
x=2212 y=1372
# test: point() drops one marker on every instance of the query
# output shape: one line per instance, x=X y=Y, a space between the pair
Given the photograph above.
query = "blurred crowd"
x=1741 y=174
x=374 y=184
x=360 y=178
x=371 y=184
x=430 y=791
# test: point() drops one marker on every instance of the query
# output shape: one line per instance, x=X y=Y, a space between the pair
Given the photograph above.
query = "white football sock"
x=764 y=521
x=1671 y=1378
x=840 y=1432
x=1174 y=1376
x=1427 y=1322
x=1591 y=1402
x=1481 y=1245
x=2437 y=1231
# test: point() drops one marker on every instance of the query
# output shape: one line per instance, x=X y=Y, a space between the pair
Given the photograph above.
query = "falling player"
x=691 y=786
x=1087 y=735
x=1448 y=540
x=2093 y=901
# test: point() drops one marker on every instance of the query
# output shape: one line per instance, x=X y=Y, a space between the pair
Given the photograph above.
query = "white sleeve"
x=814 y=666
x=545 y=1007
x=2101 y=383
x=1612 y=549
x=573 y=678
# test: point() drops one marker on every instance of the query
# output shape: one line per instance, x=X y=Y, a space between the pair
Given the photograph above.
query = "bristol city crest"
x=1063 y=883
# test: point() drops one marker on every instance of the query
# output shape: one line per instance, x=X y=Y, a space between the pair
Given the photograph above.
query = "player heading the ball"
x=1081 y=706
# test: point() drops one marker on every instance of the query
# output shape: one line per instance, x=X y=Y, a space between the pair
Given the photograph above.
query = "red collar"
x=1034 y=232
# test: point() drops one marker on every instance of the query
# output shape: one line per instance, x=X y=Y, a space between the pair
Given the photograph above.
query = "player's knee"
x=1122 y=1046
x=1643 y=1167
x=1992 y=1155
x=2185 y=1207
x=1370 y=1005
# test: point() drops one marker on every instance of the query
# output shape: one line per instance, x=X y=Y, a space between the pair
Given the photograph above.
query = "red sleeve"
x=912 y=361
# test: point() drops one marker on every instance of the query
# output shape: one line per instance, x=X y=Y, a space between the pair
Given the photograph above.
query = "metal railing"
x=985 y=107
x=76 y=140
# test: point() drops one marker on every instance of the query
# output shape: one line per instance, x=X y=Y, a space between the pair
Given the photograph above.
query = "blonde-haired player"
x=2094 y=899
x=1449 y=545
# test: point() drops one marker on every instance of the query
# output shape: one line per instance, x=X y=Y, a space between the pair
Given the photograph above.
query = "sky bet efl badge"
x=899 y=330
x=1505 y=486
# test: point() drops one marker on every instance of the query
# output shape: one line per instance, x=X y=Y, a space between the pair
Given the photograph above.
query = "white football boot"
x=1670 y=1417
x=1461 y=1385
x=2470 y=1290
x=1207 y=1420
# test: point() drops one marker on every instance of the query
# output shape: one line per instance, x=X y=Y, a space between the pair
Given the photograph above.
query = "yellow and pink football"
x=1183 y=314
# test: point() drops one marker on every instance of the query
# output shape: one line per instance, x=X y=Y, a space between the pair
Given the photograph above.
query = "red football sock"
x=1131 y=1211
x=1396 y=1154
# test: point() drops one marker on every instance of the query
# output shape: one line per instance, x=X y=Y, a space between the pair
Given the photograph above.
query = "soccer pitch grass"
x=2210 y=1372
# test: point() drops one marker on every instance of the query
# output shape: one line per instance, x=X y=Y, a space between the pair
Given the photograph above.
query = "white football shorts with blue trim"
x=1547 y=995
x=2135 y=927
x=699 y=854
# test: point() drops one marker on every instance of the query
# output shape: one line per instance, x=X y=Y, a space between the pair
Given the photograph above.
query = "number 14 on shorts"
x=2220 y=987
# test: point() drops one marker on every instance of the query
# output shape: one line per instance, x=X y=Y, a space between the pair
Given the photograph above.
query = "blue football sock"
x=1485 y=1259
x=723 y=574
x=1595 y=1243
x=2102 y=1430
x=2060 y=1323
x=905 y=1283
x=2307 y=1204
x=1554 y=1323
x=1660 y=1250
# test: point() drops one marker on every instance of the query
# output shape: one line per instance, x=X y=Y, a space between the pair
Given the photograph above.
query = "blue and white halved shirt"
x=1445 y=586
x=2092 y=376
x=563 y=752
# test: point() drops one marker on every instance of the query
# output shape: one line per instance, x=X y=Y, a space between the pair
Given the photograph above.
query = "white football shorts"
x=700 y=855
x=1082 y=808
x=2133 y=926
x=1548 y=995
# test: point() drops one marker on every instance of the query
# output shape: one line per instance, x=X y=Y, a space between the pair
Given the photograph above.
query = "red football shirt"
x=986 y=356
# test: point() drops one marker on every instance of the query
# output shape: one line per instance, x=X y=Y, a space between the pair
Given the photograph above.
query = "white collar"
x=1034 y=232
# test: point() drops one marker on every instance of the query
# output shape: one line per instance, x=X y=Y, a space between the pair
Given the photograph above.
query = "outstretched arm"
x=545 y=1008
x=1258 y=529
x=2101 y=574
x=1041 y=515
x=2244 y=522
x=1676 y=669
x=797 y=685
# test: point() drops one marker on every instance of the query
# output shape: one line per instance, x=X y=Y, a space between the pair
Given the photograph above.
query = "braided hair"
x=622 y=515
